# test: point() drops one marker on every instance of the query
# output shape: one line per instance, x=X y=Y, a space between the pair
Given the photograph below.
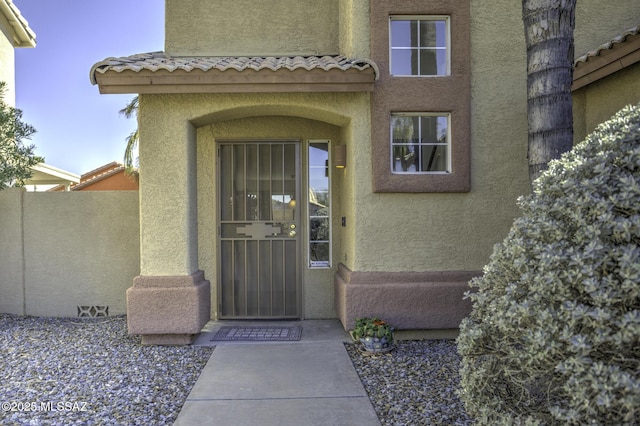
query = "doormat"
x=258 y=334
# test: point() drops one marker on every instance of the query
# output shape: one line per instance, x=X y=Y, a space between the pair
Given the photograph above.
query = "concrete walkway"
x=304 y=383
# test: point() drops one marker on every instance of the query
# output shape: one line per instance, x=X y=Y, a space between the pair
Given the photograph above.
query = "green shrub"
x=554 y=334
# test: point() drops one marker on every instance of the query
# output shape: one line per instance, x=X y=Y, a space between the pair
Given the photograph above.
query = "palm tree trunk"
x=548 y=27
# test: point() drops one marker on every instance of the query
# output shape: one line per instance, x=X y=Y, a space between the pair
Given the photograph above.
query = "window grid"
x=420 y=143
x=416 y=52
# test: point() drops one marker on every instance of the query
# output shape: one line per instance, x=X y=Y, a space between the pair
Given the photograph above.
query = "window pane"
x=404 y=62
x=401 y=34
x=405 y=159
x=428 y=62
x=405 y=129
x=434 y=158
x=434 y=129
x=318 y=180
x=433 y=62
x=433 y=34
x=318 y=155
x=319 y=229
x=319 y=254
x=319 y=205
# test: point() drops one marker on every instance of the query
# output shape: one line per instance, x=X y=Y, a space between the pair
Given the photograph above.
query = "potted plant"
x=373 y=335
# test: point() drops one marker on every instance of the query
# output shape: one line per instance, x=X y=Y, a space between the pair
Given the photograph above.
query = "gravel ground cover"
x=415 y=384
x=76 y=371
x=72 y=371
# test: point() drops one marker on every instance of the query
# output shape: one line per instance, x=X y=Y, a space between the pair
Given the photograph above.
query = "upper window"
x=419 y=46
x=420 y=143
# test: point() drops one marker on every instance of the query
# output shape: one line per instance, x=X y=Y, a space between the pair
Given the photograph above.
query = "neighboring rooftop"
x=45 y=175
x=101 y=176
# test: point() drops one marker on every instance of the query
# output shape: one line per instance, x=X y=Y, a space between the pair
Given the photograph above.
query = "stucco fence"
x=67 y=254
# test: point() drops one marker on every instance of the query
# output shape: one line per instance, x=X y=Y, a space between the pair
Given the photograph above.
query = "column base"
x=167 y=339
x=168 y=310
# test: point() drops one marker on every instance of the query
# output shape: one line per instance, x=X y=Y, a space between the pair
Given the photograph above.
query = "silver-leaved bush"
x=554 y=334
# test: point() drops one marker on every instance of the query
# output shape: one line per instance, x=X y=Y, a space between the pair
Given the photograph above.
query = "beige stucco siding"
x=172 y=125
x=597 y=102
x=250 y=28
x=441 y=236
x=7 y=69
x=354 y=36
x=95 y=262
x=62 y=250
x=11 y=247
x=598 y=22
x=384 y=232
x=448 y=232
x=167 y=194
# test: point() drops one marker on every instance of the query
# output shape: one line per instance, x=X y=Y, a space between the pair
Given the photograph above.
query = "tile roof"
x=20 y=33
x=98 y=174
x=93 y=176
x=608 y=45
x=155 y=61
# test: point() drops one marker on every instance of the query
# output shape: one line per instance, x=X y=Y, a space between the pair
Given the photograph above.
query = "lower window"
x=420 y=143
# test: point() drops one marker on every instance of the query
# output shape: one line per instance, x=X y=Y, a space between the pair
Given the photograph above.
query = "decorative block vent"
x=93 y=311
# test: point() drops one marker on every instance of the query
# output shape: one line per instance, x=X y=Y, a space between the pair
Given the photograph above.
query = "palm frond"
x=131 y=109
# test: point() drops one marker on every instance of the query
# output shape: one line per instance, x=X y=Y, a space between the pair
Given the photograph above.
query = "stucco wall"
x=354 y=36
x=7 y=64
x=250 y=28
x=598 y=22
x=448 y=232
x=11 y=252
x=67 y=249
x=597 y=102
x=168 y=237
x=385 y=232
x=458 y=231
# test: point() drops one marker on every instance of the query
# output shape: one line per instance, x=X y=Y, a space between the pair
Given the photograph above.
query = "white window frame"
x=421 y=18
x=448 y=144
x=311 y=264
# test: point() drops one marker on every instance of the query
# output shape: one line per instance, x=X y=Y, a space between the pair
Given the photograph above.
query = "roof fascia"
x=22 y=35
x=56 y=173
x=233 y=81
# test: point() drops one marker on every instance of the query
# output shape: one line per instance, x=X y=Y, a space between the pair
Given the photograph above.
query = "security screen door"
x=259 y=230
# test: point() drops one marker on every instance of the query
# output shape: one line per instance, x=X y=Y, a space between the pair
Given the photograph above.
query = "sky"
x=77 y=128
